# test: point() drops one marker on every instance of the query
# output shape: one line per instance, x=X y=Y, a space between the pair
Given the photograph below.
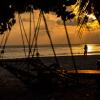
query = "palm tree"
x=88 y=7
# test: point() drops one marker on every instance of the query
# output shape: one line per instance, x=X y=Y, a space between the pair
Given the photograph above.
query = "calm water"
x=46 y=50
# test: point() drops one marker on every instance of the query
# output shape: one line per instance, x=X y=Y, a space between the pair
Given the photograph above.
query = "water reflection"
x=90 y=48
x=93 y=49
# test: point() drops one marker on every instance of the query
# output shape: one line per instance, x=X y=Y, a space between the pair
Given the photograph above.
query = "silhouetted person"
x=85 y=49
x=2 y=51
x=37 y=54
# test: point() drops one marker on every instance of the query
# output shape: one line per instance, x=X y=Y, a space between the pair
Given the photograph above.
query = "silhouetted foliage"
x=89 y=6
x=9 y=7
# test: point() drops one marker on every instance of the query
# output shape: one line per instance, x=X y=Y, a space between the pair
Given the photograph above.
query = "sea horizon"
x=45 y=50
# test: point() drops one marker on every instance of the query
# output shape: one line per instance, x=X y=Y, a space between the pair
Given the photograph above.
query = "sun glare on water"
x=90 y=48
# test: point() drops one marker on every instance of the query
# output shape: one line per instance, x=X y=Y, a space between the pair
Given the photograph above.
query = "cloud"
x=68 y=23
x=56 y=29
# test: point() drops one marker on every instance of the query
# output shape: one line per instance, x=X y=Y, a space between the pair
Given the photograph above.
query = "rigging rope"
x=35 y=44
x=29 y=46
x=33 y=20
x=22 y=35
x=6 y=39
x=30 y=36
x=70 y=46
x=47 y=30
x=35 y=37
x=2 y=40
x=24 y=29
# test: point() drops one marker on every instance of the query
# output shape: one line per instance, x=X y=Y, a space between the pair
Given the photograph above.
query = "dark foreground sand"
x=11 y=88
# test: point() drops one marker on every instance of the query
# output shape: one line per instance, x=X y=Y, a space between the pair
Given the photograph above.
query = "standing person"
x=85 y=49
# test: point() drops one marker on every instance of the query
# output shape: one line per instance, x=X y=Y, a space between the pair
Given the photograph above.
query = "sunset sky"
x=56 y=29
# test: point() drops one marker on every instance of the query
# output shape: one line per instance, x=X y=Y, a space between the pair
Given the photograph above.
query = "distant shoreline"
x=46 y=51
x=82 y=62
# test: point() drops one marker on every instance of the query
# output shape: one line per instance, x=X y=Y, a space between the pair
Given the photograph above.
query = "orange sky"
x=56 y=30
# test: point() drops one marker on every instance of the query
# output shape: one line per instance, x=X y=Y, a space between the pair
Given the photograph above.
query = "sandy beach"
x=82 y=62
x=12 y=88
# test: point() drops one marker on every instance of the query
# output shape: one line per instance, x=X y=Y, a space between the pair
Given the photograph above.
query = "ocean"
x=46 y=50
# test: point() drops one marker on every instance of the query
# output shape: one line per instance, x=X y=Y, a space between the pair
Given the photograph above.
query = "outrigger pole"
x=47 y=30
x=70 y=46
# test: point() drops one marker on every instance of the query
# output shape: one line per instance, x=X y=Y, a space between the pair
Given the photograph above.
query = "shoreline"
x=81 y=61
